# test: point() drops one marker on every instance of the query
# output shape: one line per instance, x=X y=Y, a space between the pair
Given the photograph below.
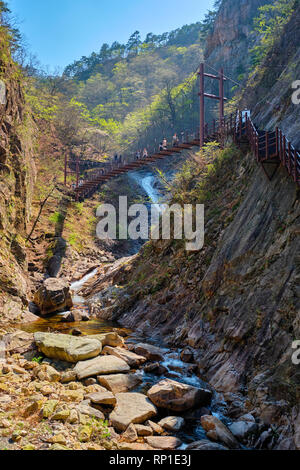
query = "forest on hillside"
x=180 y=336
x=129 y=96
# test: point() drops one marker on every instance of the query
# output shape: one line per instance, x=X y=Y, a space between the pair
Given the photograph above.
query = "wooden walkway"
x=271 y=150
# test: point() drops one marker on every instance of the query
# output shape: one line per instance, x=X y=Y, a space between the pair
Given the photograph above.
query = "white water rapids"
x=147 y=184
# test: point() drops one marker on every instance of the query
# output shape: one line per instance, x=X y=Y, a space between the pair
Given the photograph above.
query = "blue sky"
x=60 y=31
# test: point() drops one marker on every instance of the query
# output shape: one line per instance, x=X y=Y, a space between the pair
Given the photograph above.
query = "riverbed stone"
x=155 y=368
x=217 y=431
x=49 y=407
x=101 y=365
x=187 y=355
x=18 y=342
x=53 y=296
x=67 y=348
x=205 y=445
x=178 y=397
x=134 y=360
x=242 y=429
x=152 y=353
x=134 y=446
x=48 y=374
x=87 y=410
x=131 y=408
x=61 y=414
x=118 y=383
x=102 y=398
x=108 y=339
x=157 y=429
x=163 y=442
x=130 y=435
x=143 y=430
x=75 y=316
x=68 y=376
x=172 y=423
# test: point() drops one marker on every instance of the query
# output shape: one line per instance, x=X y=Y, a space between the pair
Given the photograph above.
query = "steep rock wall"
x=17 y=173
x=236 y=302
x=269 y=91
x=230 y=42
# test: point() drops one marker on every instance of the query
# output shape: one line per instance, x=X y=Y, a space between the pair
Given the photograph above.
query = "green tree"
x=134 y=43
x=269 y=25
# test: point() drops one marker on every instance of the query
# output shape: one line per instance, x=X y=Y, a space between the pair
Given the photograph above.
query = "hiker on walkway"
x=120 y=159
x=245 y=114
x=165 y=144
x=161 y=148
x=175 y=140
x=145 y=153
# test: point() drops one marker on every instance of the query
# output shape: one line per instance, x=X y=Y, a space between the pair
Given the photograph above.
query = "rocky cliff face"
x=16 y=179
x=236 y=302
x=269 y=91
x=230 y=42
x=232 y=37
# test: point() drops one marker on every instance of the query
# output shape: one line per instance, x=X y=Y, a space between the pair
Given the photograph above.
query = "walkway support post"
x=77 y=178
x=65 y=173
x=221 y=96
x=202 y=109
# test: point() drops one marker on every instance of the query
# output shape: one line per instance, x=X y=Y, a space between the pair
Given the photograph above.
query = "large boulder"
x=118 y=383
x=100 y=366
x=242 y=429
x=217 y=431
x=152 y=353
x=66 y=347
x=131 y=408
x=53 y=296
x=178 y=397
x=134 y=360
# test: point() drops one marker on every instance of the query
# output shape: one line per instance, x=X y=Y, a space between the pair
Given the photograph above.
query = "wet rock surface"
x=217 y=431
x=176 y=396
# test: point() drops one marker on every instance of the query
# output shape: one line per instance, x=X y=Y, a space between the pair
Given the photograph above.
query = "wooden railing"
x=269 y=148
x=272 y=148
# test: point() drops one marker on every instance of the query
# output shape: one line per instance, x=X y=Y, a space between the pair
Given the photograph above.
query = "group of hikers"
x=118 y=158
x=140 y=154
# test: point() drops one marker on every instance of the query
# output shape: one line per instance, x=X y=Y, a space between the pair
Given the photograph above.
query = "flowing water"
x=147 y=183
x=174 y=367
